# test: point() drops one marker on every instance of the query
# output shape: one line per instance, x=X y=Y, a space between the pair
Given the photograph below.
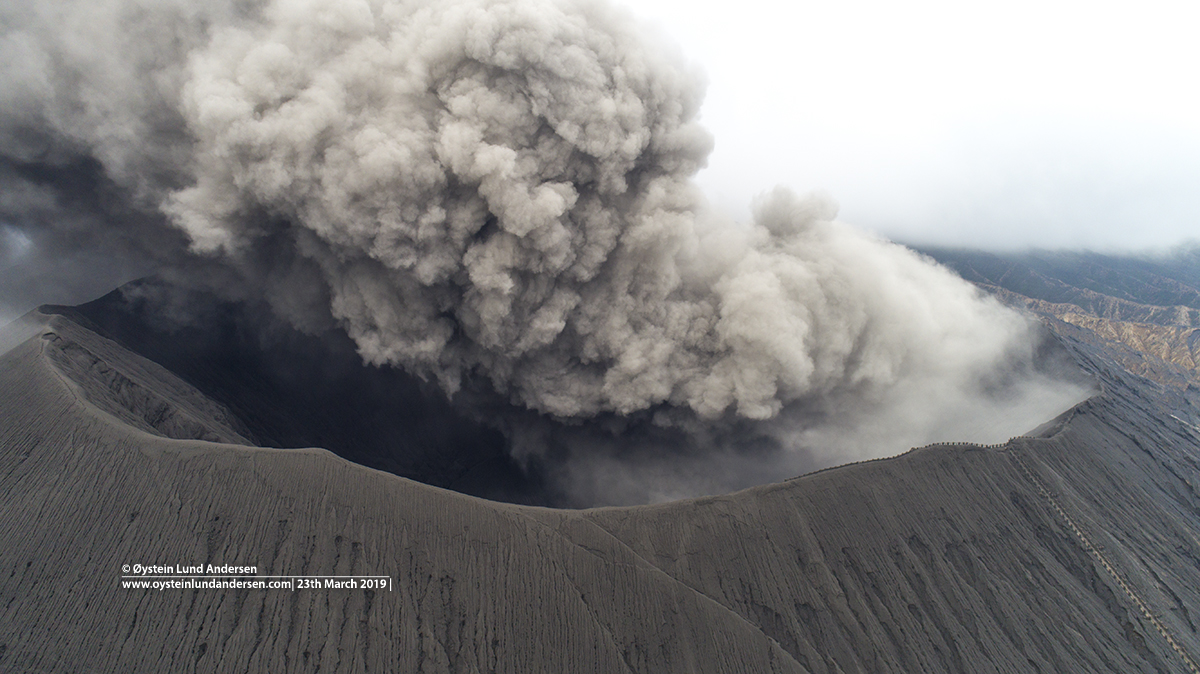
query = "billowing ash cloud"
x=490 y=194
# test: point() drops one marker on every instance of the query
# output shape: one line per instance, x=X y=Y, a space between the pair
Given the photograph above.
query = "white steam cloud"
x=500 y=191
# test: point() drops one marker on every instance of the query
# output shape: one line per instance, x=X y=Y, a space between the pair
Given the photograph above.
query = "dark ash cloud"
x=495 y=196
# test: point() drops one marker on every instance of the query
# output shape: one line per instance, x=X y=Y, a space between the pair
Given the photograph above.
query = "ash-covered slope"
x=134 y=390
x=1078 y=551
x=287 y=389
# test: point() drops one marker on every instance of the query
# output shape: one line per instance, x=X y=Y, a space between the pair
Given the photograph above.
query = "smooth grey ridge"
x=1076 y=549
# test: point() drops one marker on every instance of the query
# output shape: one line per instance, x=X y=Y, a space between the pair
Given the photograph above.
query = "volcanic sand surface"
x=947 y=558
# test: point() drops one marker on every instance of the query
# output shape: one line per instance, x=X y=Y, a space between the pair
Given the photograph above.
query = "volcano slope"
x=1075 y=549
x=287 y=389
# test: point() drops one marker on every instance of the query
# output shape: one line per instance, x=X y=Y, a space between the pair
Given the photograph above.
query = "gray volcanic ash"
x=497 y=196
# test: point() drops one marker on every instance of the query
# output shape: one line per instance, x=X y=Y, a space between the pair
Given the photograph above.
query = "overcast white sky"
x=1044 y=123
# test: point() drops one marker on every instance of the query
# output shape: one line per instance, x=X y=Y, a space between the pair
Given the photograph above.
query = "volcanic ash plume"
x=483 y=191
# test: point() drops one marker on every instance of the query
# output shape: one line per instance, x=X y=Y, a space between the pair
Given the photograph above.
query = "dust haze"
x=497 y=197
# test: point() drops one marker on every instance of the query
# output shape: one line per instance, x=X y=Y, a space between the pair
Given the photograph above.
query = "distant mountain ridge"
x=1146 y=310
x=1091 y=281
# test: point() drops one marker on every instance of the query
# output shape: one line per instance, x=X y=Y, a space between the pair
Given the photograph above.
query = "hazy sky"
x=991 y=124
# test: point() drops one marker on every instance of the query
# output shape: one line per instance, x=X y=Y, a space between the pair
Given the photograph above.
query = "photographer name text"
x=190 y=569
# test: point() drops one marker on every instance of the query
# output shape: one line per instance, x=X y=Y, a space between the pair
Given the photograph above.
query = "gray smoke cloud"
x=497 y=195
